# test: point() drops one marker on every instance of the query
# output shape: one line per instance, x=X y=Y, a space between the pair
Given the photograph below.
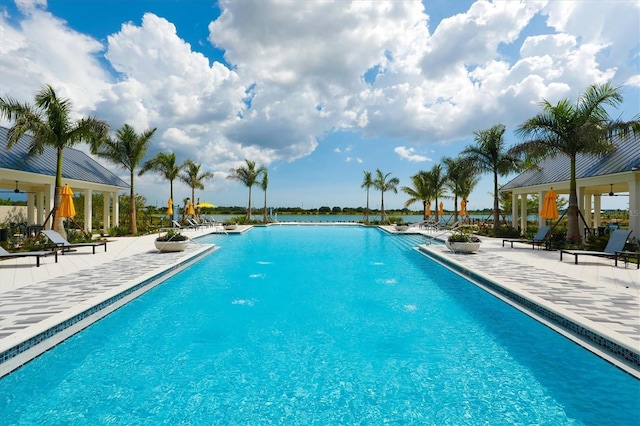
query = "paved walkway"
x=594 y=293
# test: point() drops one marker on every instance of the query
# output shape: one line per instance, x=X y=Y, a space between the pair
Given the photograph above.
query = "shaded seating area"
x=613 y=249
x=539 y=239
x=60 y=242
x=37 y=254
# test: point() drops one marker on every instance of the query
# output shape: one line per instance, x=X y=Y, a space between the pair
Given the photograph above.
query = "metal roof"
x=75 y=164
x=624 y=158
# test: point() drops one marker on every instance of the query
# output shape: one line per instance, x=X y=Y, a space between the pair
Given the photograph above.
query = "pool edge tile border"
x=23 y=352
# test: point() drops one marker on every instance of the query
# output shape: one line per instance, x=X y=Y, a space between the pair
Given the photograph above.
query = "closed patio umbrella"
x=549 y=208
x=66 y=208
x=463 y=208
x=190 y=209
x=428 y=208
x=441 y=211
x=170 y=207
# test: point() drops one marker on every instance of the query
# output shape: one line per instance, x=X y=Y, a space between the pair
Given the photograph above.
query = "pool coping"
x=610 y=346
x=29 y=344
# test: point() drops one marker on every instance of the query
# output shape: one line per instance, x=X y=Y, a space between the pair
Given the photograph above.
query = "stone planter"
x=462 y=247
x=401 y=228
x=230 y=227
x=171 y=246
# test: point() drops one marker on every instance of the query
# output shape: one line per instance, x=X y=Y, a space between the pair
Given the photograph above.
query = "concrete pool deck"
x=34 y=301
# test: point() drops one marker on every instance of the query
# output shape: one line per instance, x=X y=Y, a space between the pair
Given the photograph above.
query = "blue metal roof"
x=557 y=169
x=75 y=164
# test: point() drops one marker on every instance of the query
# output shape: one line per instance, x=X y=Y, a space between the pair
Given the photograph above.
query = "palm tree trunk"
x=265 y=207
x=57 y=222
x=132 y=209
x=382 y=214
x=573 y=233
x=496 y=204
x=249 y=209
x=366 y=210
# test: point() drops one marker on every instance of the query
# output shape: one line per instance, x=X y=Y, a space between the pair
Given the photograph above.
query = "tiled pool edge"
x=604 y=347
x=19 y=354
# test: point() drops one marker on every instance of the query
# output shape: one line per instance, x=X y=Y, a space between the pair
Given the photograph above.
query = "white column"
x=88 y=210
x=634 y=205
x=48 y=204
x=597 y=206
x=116 y=209
x=30 y=208
x=523 y=213
x=105 y=212
x=514 y=210
x=40 y=214
x=541 y=221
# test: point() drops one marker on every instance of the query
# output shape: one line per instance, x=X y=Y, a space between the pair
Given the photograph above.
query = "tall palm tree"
x=467 y=182
x=385 y=183
x=437 y=181
x=127 y=151
x=165 y=165
x=367 y=183
x=490 y=155
x=49 y=122
x=249 y=176
x=264 y=184
x=567 y=129
x=421 y=191
x=193 y=177
x=455 y=168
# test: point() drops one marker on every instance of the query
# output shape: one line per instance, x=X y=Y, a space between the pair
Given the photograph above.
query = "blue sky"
x=317 y=91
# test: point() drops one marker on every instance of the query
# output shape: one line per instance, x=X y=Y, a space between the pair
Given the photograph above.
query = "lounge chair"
x=177 y=224
x=616 y=243
x=539 y=239
x=60 y=242
x=37 y=254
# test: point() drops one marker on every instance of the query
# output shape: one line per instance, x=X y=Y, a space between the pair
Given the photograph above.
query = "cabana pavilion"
x=36 y=176
x=614 y=175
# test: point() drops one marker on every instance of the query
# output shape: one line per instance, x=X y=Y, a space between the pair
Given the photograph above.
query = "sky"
x=318 y=92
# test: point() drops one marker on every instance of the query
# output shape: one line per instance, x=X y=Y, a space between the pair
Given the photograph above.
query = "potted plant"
x=172 y=240
x=401 y=227
x=463 y=242
x=230 y=225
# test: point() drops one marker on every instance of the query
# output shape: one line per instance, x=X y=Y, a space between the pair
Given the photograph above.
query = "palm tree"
x=421 y=191
x=193 y=177
x=249 y=176
x=467 y=182
x=50 y=124
x=489 y=155
x=264 y=184
x=367 y=183
x=437 y=182
x=164 y=164
x=455 y=168
x=127 y=151
x=567 y=129
x=385 y=183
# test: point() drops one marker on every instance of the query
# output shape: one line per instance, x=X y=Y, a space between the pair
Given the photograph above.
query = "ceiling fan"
x=16 y=191
x=611 y=193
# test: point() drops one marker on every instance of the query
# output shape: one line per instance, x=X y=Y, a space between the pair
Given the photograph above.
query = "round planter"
x=171 y=246
x=461 y=247
x=401 y=228
x=231 y=227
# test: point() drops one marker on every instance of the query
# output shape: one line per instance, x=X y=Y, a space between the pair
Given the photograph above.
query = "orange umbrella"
x=190 y=209
x=463 y=208
x=441 y=211
x=428 y=208
x=549 y=206
x=170 y=208
x=66 y=207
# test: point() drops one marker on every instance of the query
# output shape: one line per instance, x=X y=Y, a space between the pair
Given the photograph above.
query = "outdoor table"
x=626 y=255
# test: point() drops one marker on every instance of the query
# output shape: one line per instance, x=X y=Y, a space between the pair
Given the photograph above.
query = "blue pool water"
x=318 y=325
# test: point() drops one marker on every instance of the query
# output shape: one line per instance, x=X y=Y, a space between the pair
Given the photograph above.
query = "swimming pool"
x=324 y=325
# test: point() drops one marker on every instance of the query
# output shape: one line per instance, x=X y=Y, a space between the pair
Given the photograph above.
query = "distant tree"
x=192 y=176
x=264 y=184
x=336 y=209
x=165 y=165
x=50 y=124
x=437 y=182
x=249 y=175
x=385 y=183
x=567 y=129
x=489 y=154
x=127 y=151
x=367 y=183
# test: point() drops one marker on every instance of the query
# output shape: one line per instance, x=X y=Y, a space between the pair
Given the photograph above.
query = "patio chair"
x=616 y=243
x=60 y=242
x=177 y=224
x=37 y=254
x=539 y=239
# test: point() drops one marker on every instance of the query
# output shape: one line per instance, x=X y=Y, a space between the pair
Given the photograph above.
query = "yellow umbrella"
x=205 y=205
x=463 y=208
x=549 y=206
x=170 y=208
x=441 y=211
x=190 y=209
x=66 y=207
x=428 y=208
